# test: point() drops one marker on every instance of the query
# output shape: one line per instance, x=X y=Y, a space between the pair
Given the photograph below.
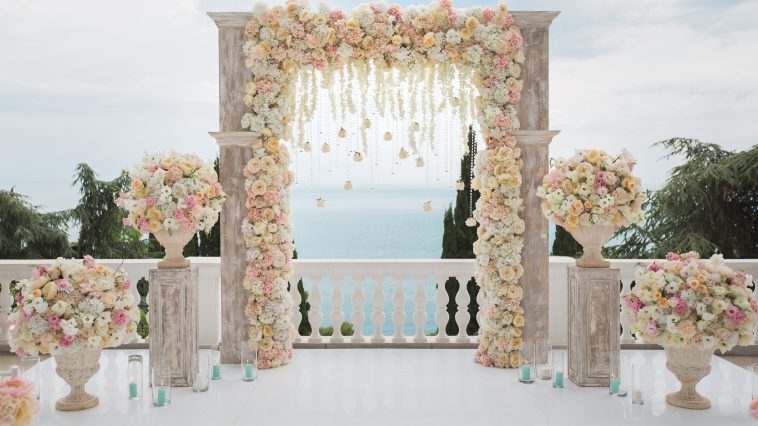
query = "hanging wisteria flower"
x=18 y=402
x=70 y=305
x=592 y=188
x=689 y=302
x=172 y=191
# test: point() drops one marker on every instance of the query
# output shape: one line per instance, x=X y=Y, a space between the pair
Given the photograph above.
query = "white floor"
x=396 y=387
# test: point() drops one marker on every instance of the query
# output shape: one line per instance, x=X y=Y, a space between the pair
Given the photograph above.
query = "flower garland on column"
x=482 y=42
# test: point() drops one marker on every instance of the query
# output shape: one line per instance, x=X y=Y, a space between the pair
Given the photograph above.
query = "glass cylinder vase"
x=526 y=367
x=161 y=378
x=638 y=391
x=542 y=359
x=135 y=376
x=614 y=383
x=248 y=361
x=216 y=362
x=200 y=381
x=559 y=367
x=30 y=367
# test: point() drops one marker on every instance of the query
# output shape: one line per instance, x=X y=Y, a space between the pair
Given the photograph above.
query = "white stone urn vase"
x=592 y=238
x=173 y=242
x=76 y=368
x=689 y=365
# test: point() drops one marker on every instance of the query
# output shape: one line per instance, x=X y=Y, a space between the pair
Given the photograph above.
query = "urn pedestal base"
x=174 y=322
x=689 y=366
x=593 y=324
x=76 y=368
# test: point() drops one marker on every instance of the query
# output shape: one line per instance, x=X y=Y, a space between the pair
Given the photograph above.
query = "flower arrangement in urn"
x=18 y=403
x=691 y=307
x=73 y=309
x=592 y=194
x=173 y=196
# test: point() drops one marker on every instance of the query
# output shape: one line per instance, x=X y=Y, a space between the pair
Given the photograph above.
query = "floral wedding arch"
x=481 y=43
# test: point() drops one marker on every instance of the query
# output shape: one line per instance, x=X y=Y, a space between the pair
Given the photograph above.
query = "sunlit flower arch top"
x=481 y=44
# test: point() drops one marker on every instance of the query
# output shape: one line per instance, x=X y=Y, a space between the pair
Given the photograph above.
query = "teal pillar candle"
x=133 y=390
x=558 y=381
x=161 y=396
x=615 y=383
x=249 y=369
x=216 y=372
x=526 y=373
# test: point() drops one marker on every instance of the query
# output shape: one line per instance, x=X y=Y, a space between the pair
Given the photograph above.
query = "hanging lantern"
x=459 y=185
x=366 y=123
x=415 y=127
x=471 y=222
x=325 y=148
x=307 y=147
x=420 y=162
x=357 y=157
x=428 y=206
x=387 y=136
x=348 y=185
x=320 y=202
x=403 y=154
x=342 y=133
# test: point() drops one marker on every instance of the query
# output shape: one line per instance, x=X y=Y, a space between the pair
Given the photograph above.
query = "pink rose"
x=66 y=341
x=120 y=317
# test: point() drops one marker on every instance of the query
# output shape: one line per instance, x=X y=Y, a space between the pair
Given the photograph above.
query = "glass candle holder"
x=624 y=375
x=542 y=359
x=215 y=362
x=754 y=380
x=135 y=376
x=559 y=368
x=248 y=362
x=161 y=378
x=30 y=367
x=526 y=367
x=637 y=385
x=614 y=383
x=200 y=382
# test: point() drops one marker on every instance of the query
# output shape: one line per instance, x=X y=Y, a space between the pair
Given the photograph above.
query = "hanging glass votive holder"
x=201 y=379
x=542 y=359
x=135 y=376
x=559 y=367
x=248 y=362
x=30 y=366
x=526 y=368
x=161 y=379
x=216 y=362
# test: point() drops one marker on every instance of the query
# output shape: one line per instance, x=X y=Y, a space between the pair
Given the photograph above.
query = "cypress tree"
x=458 y=238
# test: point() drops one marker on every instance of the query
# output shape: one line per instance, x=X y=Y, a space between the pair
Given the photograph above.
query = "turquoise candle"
x=216 y=372
x=161 y=396
x=615 y=383
x=132 y=390
x=249 y=371
x=558 y=382
x=526 y=375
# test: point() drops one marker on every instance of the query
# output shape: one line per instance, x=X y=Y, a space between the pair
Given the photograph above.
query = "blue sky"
x=103 y=81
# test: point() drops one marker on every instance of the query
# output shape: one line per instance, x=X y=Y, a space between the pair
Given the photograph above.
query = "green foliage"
x=709 y=204
x=458 y=239
x=346 y=328
x=143 y=288
x=101 y=232
x=304 y=328
x=565 y=244
x=206 y=244
x=25 y=233
x=13 y=290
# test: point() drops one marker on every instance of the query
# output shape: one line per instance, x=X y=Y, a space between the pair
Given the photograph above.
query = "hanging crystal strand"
x=431 y=93
x=343 y=94
x=389 y=86
x=314 y=94
x=299 y=110
x=424 y=136
x=350 y=80
x=399 y=93
x=413 y=108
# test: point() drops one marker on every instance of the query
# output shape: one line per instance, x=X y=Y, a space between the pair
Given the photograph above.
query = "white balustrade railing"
x=398 y=302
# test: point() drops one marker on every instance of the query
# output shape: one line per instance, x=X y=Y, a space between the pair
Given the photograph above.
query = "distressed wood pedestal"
x=593 y=324
x=174 y=322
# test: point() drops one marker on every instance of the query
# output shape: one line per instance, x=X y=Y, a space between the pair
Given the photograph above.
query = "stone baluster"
x=377 y=316
x=398 y=312
x=358 y=316
x=480 y=303
x=419 y=314
x=462 y=298
x=441 y=317
x=337 y=316
x=315 y=316
x=297 y=316
x=627 y=276
x=755 y=328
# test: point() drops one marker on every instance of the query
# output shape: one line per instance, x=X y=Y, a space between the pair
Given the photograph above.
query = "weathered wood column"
x=534 y=139
x=234 y=147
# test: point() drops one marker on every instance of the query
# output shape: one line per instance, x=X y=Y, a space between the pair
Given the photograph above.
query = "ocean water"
x=386 y=223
